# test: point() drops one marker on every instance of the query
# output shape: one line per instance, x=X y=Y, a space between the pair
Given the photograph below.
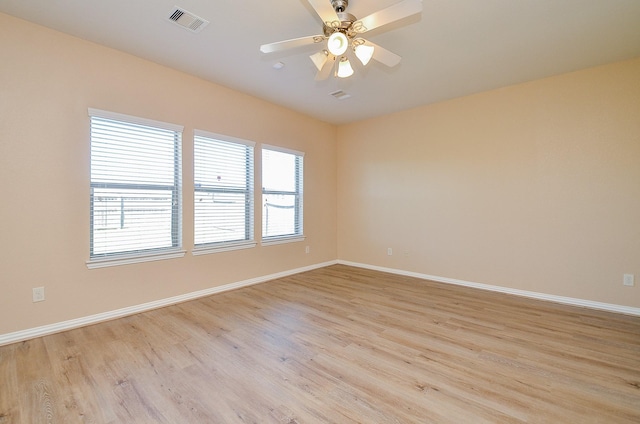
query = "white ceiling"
x=454 y=48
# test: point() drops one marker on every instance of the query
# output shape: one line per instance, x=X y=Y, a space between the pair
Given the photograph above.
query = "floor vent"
x=187 y=20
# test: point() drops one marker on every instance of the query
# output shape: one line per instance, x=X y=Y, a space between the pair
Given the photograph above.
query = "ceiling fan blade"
x=328 y=66
x=392 y=13
x=289 y=44
x=324 y=9
x=383 y=55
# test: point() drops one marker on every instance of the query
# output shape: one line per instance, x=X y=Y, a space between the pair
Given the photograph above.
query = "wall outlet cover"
x=38 y=294
x=628 y=280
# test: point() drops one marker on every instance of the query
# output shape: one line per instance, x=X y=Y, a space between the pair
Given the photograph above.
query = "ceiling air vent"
x=187 y=20
x=340 y=95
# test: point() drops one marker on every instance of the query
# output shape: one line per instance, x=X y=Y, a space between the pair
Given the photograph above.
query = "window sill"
x=205 y=250
x=134 y=259
x=282 y=240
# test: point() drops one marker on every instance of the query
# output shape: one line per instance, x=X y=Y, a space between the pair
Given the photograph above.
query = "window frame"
x=139 y=255
x=249 y=193
x=298 y=193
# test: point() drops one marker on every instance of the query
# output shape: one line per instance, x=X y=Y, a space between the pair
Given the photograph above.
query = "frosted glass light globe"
x=337 y=43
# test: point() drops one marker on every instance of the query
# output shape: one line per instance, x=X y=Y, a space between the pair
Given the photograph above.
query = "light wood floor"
x=334 y=345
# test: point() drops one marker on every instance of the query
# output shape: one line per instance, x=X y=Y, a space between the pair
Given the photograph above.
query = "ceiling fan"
x=341 y=31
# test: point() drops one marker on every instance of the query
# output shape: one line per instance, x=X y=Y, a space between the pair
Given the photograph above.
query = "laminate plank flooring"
x=334 y=345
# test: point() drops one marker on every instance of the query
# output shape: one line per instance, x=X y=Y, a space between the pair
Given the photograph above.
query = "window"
x=135 y=189
x=282 y=174
x=223 y=200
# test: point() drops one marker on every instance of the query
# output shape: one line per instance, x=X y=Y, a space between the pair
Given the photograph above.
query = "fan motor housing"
x=346 y=20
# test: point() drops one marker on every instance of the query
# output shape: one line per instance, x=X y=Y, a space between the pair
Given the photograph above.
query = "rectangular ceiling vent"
x=340 y=95
x=187 y=20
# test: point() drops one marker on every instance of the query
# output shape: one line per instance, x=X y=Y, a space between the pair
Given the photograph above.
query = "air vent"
x=187 y=20
x=340 y=95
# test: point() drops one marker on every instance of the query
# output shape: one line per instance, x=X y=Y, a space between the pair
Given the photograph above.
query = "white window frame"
x=299 y=193
x=223 y=246
x=143 y=255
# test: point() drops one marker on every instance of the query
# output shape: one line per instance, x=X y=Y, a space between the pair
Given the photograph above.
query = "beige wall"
x=47 y=82
x=533 y=187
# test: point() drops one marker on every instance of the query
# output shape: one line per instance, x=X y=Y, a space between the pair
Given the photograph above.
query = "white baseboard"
x=44 y=330
x=524 y=293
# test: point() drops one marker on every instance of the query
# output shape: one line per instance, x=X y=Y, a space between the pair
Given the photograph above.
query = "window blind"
x=135 y=185
x=282 y=189
x=223 y=184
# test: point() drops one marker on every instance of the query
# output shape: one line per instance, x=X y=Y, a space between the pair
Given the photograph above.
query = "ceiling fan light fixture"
x=364 y=53
x=341 y=31
x=319 y=59
x=337 y=43
x=344 y=68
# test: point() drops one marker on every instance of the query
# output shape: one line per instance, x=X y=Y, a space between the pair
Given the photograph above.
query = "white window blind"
x=135 y=186
x=282 y=189
x=223 y=198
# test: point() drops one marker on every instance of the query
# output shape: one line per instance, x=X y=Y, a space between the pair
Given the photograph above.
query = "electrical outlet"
x=38 y=294
x=627 y=280
x=389 y=251
x=307 y=249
